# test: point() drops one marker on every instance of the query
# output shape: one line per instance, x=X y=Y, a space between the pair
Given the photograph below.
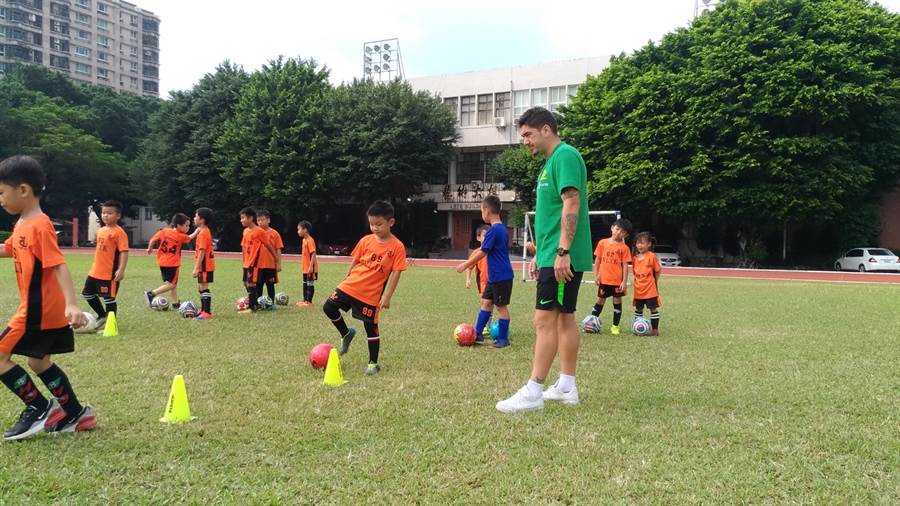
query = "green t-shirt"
x=564 y=169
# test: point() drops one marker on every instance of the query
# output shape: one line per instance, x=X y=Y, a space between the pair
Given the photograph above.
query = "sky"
x=435 y=37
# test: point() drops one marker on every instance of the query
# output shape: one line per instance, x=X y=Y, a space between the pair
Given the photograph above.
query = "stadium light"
x=708 y=5
x=382 y=60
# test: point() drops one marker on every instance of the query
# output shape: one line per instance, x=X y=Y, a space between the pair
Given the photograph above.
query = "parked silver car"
x=867 y=260
x=667 y=255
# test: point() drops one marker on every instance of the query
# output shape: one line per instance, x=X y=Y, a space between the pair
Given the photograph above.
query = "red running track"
x=701 y=272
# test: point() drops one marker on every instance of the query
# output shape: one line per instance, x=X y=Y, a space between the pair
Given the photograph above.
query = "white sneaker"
x=521 y=402
x=555 y=394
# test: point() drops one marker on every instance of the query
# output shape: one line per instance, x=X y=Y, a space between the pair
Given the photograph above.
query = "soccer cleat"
x=654 y=332
x=304 y=303
x=176 y=305
x=372 y=369
x=614 y=330
x=346 y=340
x=499 y=344
x=204 y=316
x=521 y=402
x=30 y=422
x=84 y=420
x=479 y=340
x=101 y=323
x=149 y=295
x=555 y=394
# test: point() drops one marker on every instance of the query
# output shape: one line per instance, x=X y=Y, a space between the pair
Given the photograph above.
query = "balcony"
x=31 y=5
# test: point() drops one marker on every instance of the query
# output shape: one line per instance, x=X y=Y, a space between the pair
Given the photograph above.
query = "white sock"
x=535 y=389
x=566 y=383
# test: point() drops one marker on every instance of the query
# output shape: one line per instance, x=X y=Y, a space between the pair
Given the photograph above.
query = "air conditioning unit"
x=500 y=122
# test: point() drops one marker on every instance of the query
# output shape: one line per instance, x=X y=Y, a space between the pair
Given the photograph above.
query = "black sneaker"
x=346 y=340
x=176 y=305
x=31 y=421
x=149 y=295
x=372 y=369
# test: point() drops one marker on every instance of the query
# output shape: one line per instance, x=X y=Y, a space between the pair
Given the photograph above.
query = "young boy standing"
x=378 y=260
x=42 y=325
x=269 y=265
x=309 y=264
x=204 y=261
x=110 y=260
x=611 y=270
x=498 y=291
x=481 y=271
x=252 y=245
x=646 y=280
x=168 y=256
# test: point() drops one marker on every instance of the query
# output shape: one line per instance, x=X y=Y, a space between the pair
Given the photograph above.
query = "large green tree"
x=518 y=170
x=759 y=113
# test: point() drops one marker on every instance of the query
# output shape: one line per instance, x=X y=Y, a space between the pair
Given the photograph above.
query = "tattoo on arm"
x=571 y=203
x=571 y=221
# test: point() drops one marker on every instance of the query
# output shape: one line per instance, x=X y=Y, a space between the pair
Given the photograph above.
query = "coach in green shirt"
x=563 y=243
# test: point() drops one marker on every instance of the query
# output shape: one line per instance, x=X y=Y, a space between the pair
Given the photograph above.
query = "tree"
x=758 y=113
x=518 y=170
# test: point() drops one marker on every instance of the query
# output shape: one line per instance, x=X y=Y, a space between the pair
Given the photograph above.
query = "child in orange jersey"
x=204 y=261
x=253 y=243
x=110 y=260
x=647 y=270
x=309 y=263
x=611 y=270
x=168 y=256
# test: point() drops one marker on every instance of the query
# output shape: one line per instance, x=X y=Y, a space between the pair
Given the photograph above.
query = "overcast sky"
x=435 y=37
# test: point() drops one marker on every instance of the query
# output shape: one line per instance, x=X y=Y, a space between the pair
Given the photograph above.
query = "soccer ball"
x=89 y=326
x=641 y=326
x=242 y=304
x=318 y=356
x=160 y=303
x=591 y=324
x=265 y=302
x=464 y=334
x=188 y=309
x=282 y=299
x=495 y=330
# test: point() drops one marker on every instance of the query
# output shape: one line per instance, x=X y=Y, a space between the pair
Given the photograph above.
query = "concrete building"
x=487 y=104
x=109 y=43
x=139 y=229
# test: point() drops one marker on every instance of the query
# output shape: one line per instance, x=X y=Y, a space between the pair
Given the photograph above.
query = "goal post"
x=528 y=235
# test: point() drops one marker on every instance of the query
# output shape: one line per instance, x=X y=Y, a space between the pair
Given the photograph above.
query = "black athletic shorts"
x=360 y=310
x=607 y=291
x=170 y=274
x=205 y=277
x=554 y=295
x=103 y=287
x=268 y=276
x=651 y=303
x=37 y=343
x=499 y=292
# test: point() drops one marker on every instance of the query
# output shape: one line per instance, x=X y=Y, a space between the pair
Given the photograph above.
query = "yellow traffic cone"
x=177 y=410
x=112 y=327
x=333 y=375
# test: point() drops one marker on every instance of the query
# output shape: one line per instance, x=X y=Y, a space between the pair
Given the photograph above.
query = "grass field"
x=757 y=392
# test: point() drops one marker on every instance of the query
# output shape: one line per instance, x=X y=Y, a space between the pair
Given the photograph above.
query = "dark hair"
x=381 y=208
x=249 y=211
x=479 y=230
x=23 y=169
x=263 y=212
x=205 y=214
x=624 y=224
x=644 y=236
x=492 y=203
x=113 y=203
x=180 y=219
x=305 y=225
x=537 y=117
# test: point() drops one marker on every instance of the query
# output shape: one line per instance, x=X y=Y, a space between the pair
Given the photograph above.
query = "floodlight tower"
x=703 y=6
x=382 y=61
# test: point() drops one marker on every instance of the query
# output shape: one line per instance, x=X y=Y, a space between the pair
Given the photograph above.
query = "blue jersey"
x=496 y=247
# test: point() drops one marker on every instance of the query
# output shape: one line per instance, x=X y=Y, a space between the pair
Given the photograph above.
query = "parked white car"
x=667 y=255
x=867 y=260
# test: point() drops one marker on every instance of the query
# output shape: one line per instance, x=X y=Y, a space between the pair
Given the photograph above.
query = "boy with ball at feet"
x=48 y=311
x=108 y=269
x=611 y=270
x=169 y=242
x=377 y=261
x=204 y=261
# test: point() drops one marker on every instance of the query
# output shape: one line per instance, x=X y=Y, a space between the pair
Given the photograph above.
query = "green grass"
x=757 y=392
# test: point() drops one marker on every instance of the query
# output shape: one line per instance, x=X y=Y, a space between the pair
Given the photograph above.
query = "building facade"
x=109 y=43
x=139 y=229
x=487 y=105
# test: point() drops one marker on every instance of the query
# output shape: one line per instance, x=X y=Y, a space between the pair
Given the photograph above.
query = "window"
x=539 y=97
x=2 y=50
x=103 y=41
x=486 y=109
x=467 y=111
x=101 y=56
x=82 y=19
x=103 y=73
x=501 y=105
x=84 y=4
x=151 y=87
x=59 y=10
x=81 y=68
x=151 y=71
x=521 y=103
x=133 y=51
x=102 y=7
x=557 y=97
x=59 y=45
x=133 y=66
x=453 y=105
x=132 y=20
x=855 y=253
x=60 y=62
x=470 y=167
x=2 y=13
x=83 y=35
x=151 y=40
x=573 y=90
x=151 y=25
x=440 y=176
x=59 y=27
x=103 y=25
x=148 y=214
x=880 y=253
x=82 y=51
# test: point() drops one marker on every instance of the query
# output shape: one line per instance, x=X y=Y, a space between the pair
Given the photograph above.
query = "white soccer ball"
x=160 y=303
x=281 y=299
x=90 y=326
x=187 y=309
x=265 y=302
x=641 y=326
x=591 y=324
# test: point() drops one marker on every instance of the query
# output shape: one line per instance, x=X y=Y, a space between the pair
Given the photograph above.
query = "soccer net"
x=600 y=223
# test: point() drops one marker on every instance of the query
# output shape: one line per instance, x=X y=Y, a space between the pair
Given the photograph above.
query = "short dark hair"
x=381 y=208
x=205 y=214
x=249 y=211
x=114 y=204
x=624 y=224
x=644 y=236
x=263 y=212
x=180 y=219
x=305 y=225
x=492 y=203
x=537 y=117
x=23 y=169
x=479 y=230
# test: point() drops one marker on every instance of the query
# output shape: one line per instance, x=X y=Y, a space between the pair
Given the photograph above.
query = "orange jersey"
x=251 y=245
x=307 y=248
x=168 y=253
x=612 y=257
x=481 y=273
x=35 y=253
x=266 y=260
x=645 y=266
x=205 y=244
x=110 y=242
x=375 y=261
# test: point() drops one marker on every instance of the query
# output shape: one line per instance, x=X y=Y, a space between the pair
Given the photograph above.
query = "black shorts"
x=205 y=277
x=104 y=288
x=607 y=291
x=310 y=279
x=170 y=274
x=268 y=276
x=652 y=304
x=499 y=292
x=359 y=309
x=554 y=295
x=37 y=343
x=251 y=275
